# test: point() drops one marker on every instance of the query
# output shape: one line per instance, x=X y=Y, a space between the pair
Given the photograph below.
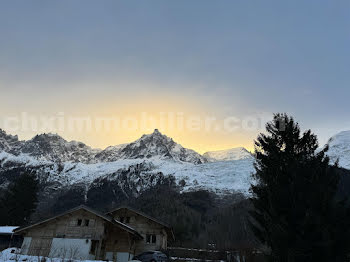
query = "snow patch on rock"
x=339 y=149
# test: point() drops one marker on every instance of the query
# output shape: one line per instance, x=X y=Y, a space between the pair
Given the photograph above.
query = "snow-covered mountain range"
x=51 y=147
x=66 y=164
x=134 y=167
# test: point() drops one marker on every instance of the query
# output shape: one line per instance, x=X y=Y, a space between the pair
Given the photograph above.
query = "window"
x=151 y=239
x=87 y=222
x=127 y=220
x=122 y=219
x=94 y=245
x=79 y=222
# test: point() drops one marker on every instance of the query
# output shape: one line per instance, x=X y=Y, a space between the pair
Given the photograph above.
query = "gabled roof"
x=90 y=210
x=168 y=227
x=139 y=213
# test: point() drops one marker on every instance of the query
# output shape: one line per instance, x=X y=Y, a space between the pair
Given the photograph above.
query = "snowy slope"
x=219 y=177
x=339 y=149
x=228 y=155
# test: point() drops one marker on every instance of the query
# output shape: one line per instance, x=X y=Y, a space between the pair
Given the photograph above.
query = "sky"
x=137 y=62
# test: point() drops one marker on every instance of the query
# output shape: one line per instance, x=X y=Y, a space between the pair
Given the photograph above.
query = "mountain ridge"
x=53 y=147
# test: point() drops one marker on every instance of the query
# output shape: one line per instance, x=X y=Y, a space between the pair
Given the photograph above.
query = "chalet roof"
x=7 y=230
x=168 y=227
x=140 y=213
x=88 y=209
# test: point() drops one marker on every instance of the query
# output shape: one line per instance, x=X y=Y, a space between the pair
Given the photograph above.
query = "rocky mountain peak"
x=155 y=137
x=54 y=148
x=156 y=132
x=48 y=137
x=4 y=135
x=149 y=146
x=8 y=143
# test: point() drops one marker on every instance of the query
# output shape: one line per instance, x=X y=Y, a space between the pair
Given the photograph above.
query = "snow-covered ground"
x=12 y=255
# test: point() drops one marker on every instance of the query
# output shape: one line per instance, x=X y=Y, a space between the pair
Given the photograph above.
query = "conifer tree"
x=19 y=200
x=296 y=213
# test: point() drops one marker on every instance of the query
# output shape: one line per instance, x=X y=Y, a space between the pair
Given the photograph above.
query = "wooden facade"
x=83 y=233
x=155 y=233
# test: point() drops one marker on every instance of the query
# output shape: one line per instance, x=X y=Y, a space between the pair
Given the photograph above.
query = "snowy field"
x=12 y=255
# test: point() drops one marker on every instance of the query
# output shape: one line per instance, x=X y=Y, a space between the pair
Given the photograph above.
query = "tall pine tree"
x=296 y=213
x=19 y=200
